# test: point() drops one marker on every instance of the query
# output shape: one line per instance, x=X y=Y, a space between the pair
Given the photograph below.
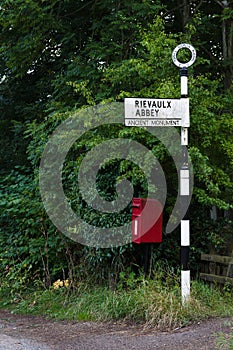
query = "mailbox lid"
x=137 y=206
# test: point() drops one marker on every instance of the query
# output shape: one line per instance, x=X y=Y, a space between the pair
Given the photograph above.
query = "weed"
x=224 y=341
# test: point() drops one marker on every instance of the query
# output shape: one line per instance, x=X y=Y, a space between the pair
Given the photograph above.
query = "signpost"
x=184 y=175
x=171 y=112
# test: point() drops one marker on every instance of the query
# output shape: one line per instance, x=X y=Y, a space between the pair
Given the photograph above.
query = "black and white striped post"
x=184 y=175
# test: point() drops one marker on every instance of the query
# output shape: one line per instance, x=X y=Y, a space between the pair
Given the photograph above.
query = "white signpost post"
x=171 y=112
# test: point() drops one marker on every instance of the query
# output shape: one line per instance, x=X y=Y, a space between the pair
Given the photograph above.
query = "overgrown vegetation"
x=154 y=302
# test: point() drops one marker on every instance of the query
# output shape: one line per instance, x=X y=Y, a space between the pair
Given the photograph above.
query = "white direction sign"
x=157 y=112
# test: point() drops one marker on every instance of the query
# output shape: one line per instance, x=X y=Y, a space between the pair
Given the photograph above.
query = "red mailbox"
x=146 y=220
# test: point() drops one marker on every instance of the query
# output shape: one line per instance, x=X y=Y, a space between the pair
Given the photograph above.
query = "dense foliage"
x=59 y=56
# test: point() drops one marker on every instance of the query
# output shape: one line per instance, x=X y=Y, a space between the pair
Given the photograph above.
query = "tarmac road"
x=18 y=332
x=9 y=343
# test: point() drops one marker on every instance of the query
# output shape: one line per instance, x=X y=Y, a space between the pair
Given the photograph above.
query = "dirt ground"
x=20 y=332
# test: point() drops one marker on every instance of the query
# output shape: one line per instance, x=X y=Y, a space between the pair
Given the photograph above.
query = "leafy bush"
x=31 y=248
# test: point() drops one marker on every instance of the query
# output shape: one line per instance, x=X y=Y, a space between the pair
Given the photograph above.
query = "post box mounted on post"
x=144 y=228
x=165 y=112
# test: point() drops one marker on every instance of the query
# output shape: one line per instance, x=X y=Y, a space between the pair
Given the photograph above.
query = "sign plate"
x=157 y=112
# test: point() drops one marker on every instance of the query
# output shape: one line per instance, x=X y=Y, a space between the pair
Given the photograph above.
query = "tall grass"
x=155 y=303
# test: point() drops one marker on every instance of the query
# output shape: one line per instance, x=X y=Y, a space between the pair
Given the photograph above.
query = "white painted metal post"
x=184 y=177
x=184 y=193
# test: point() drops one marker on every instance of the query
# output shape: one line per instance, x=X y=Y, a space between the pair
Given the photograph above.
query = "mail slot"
x=146 y=220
